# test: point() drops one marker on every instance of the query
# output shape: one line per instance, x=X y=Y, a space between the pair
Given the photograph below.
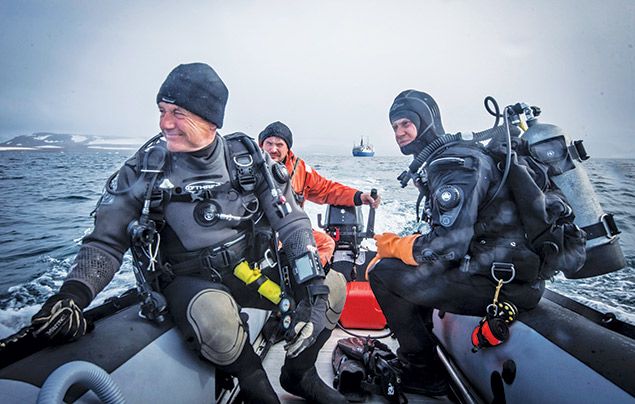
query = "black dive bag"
x=363 y=366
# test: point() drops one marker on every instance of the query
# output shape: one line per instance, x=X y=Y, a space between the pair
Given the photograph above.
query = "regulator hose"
x=491 y=106
x=433 y=146
x=88 y=375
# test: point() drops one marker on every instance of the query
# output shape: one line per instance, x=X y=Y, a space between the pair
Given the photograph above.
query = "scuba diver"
x=202 y=214
x=471 y=241
x=277 y=139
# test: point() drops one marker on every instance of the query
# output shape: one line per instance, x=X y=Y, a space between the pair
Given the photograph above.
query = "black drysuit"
x=469 y=232
x=203 y=295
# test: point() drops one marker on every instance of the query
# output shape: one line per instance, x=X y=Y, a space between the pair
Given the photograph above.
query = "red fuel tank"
x=361 y=309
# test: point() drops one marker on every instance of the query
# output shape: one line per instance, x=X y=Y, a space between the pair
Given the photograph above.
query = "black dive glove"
x=309 y=321
x=61 y=319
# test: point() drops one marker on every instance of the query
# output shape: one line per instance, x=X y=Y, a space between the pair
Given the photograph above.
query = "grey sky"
x=329 y=69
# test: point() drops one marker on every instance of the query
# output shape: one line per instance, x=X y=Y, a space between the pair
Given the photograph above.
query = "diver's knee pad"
x=214 y=317
x=337 y=296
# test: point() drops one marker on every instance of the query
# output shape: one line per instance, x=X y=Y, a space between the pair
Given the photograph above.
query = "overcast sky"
x=328 y=69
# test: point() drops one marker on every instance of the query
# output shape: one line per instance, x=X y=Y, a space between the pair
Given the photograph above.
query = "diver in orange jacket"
x=277 y=139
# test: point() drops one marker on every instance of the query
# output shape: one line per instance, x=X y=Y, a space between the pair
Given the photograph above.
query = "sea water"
x=46 y=199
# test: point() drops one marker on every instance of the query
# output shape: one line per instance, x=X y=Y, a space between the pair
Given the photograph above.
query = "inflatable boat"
x=560 y=352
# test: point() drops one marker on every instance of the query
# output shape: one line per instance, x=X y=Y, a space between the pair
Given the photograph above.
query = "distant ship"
x=363 y=149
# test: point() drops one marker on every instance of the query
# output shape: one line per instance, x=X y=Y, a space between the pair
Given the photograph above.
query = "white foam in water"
x=13 y=319
x=17 y=314
x=27 y=298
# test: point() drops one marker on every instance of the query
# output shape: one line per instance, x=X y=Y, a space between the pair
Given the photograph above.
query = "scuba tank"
x=550 y=145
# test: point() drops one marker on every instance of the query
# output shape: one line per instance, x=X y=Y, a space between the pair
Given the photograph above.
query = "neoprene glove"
x=309 y=322
x=390 y=245
x=61 y=319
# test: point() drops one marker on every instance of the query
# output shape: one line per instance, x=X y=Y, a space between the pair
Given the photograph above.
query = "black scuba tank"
x=553 y=147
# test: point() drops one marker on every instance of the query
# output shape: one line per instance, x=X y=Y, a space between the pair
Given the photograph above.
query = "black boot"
x=255 y=388
x=299 y=376
x=424 y=376
x=309 y=386
x=252 y=379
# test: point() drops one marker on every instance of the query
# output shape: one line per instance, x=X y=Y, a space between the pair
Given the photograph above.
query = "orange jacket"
x=313 y=187
x=325 y=246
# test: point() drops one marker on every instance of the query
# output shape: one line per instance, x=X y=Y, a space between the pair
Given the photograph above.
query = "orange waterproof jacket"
x=309 y=184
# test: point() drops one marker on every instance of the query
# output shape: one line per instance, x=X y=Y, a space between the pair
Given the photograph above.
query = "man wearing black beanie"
x=197 y=88
x=277 y=129
x=277 y=139
x=186 y=205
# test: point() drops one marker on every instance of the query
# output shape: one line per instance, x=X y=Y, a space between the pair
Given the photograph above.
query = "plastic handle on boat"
x=370 y=227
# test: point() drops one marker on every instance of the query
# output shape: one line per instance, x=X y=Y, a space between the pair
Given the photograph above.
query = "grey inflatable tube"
x=88 y=375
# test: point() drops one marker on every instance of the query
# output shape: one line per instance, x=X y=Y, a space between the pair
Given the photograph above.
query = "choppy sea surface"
x=46 y=199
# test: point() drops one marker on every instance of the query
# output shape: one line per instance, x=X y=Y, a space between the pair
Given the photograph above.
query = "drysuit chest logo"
x=201 y=186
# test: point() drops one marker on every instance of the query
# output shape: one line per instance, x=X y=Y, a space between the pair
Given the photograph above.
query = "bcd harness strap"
x=240 y=163
x=605 y=227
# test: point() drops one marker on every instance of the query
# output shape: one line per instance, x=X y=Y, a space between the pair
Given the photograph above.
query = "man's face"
x=276 y=147
x=183 y=130
x=405 y=131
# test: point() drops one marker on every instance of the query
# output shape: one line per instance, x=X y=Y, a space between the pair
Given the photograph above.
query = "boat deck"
x=275 y=358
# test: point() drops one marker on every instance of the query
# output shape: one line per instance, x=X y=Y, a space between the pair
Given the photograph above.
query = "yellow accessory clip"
x=265 y=286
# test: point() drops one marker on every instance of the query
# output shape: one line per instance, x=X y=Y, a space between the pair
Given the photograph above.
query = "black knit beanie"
x=421 y=109
x=197 y=88
x=277 y=129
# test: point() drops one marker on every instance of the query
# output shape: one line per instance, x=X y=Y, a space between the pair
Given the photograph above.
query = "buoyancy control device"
x=549 y=149
x=244 y=161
